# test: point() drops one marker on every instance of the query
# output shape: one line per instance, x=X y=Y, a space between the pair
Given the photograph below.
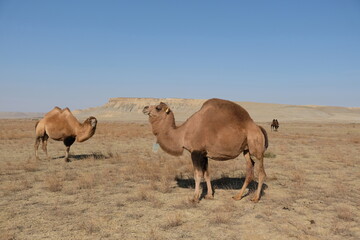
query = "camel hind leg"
x=44 y=140
x=262 y=176
x=249 y=175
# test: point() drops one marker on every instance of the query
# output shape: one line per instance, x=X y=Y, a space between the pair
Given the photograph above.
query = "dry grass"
x=173 y=220
x=53 y=183
x=117 y=188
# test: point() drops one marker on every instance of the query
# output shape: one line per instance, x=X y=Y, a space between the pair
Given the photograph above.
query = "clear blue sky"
x=81 y=53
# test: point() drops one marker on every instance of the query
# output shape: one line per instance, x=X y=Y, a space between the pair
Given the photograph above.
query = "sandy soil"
x=116 y=187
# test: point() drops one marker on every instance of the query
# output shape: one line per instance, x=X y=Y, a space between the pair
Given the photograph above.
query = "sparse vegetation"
x=122 y=190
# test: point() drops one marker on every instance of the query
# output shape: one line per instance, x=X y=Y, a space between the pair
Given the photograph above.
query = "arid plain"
x=117 y=187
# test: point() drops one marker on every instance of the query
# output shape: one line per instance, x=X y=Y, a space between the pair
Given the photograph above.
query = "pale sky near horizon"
x=78 y=54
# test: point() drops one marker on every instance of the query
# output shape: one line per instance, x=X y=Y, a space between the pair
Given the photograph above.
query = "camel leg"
x=262 y=176
x=198 y=163
x=44 y=145
x=249 y=175
x=36 y=146
x=68 y=142
x=67 y=154
x=206 y=173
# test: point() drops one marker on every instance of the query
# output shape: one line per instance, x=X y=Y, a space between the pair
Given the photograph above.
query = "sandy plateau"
x=117 y=187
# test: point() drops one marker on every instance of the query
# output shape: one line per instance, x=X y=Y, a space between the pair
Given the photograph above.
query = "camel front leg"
x=67 y=154
x=197 y=160
x=197 y=177
x=249 y=175
x=210 y=193
x=68 y=142
x=36 y=146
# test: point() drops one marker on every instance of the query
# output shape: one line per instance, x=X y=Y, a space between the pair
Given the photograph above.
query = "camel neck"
x=84 y=132
x=170 y=137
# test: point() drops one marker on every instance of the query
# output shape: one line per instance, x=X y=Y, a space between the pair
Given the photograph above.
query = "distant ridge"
x=15 y=115
x=130 y=109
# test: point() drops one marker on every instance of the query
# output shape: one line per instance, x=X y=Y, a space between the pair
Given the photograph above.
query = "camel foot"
x=237 y=197
x=67 y=160
x=255 y=199
x=194 y=199
x=209 y=197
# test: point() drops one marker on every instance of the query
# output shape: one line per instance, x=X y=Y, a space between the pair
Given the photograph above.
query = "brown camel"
x=61 y=125
x=220 y=130
x=275 y=125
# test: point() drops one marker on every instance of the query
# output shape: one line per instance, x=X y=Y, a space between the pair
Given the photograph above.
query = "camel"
x=61 y=125
x=274 y=125
x=220 y=130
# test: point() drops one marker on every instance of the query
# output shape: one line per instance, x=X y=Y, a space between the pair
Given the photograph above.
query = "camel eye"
x=158 y=107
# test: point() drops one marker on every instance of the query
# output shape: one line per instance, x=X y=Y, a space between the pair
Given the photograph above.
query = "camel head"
x=87 y=130
x=92 y=121
x=160 y=113
x=157 y=112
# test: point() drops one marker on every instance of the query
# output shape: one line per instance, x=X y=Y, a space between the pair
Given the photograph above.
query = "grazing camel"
x=275 y=125
x=220 y=130
x=61 y=125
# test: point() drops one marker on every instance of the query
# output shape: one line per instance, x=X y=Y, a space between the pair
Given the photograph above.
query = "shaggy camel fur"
x=220 y=130
x=61 y=125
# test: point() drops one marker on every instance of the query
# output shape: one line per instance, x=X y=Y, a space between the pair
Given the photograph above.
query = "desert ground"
x=118 y=187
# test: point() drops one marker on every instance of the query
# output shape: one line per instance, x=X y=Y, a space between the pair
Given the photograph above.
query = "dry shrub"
x=221 y=218
x=70 y=175
x=269 y=154
x=114 y=157
x=15 y=186
x=224 y=213
x=70 y=189
x=53 y=183
x=172 y=221
x=298 y=177
x=154 y=235
x=7 y=236
x=163 y=186
x=90 y=226
x=134 y=215
x=340 y=229
x=345 y=213
x=143 y=195
x=31 y=165
x=186 y=204
x=87 y=181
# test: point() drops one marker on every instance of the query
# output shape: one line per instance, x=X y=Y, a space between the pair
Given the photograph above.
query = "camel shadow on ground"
x=96 y=156
x=221 y=183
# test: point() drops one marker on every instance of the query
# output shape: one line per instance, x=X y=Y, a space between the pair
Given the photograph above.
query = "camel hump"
x=66 y=112
x=228 y=109
x=55 y=110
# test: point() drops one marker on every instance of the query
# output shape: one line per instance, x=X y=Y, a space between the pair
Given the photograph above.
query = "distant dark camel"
x=275 y=125
x=220 y=130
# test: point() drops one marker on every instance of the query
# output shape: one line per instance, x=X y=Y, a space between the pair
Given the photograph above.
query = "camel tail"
x=265 y=136
x=36 y=124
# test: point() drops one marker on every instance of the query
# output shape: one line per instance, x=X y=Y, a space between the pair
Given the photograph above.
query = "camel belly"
x=222 y=156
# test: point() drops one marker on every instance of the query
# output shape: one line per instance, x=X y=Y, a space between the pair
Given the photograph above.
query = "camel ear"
x=167 y=110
